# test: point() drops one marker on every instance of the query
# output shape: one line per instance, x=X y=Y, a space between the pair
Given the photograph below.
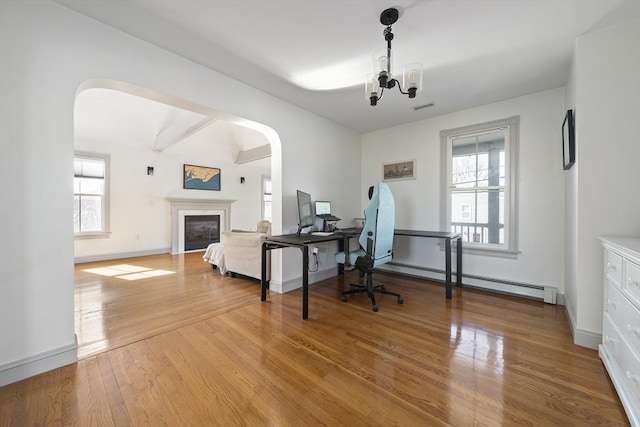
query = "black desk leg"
x=459 y=262
x=341 y=249
x=447 y=252
x=263 y=280
x=305 y=282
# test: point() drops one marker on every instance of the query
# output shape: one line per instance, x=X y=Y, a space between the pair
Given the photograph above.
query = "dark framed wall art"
x=568 y=141
x=201 y=178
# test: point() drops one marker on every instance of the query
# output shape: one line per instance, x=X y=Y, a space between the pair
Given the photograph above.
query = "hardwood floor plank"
x=197 y=348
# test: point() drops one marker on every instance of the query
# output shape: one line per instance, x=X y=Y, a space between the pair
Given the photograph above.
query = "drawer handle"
x=633 y=282
x=634 y=329
x=611 y=303
x=609 y=341
x=611 y=267
x=633 y=377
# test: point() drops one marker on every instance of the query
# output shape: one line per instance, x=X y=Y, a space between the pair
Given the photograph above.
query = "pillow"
x=264 y=226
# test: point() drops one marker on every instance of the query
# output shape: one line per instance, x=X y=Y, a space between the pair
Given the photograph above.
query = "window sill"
x=485 y=251
x=93 y=235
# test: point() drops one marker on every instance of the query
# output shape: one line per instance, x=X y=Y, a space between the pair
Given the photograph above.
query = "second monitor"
x=323 y=210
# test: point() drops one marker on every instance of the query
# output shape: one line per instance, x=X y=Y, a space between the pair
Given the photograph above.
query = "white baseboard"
x=34 y=365
x=580 y=337
x=108 y=257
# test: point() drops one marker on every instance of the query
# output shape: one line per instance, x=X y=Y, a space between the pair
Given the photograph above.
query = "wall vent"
x=420 y=107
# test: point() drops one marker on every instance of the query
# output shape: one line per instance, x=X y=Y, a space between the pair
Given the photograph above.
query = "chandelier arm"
x=400 y=87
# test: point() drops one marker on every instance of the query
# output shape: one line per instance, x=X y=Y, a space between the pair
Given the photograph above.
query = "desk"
x=302 y=242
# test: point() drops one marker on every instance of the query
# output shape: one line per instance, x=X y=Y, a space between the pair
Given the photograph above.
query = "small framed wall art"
x=568 y=141
x=201 y=178
x=399 y=170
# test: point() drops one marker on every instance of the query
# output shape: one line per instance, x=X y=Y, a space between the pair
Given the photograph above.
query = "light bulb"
x=412 y=76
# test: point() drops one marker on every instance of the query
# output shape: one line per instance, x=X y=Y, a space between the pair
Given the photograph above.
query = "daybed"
x=240 y=252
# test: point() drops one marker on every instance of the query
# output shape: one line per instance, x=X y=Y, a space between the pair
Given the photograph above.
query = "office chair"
x=376 y=243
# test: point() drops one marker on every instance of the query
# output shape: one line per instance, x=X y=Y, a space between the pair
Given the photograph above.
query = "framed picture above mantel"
x=568 y=141
x=201 y=178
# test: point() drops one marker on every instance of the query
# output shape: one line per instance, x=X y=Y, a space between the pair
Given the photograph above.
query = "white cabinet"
x=620 y=348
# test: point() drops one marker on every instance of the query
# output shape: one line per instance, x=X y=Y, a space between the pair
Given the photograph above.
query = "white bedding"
x=215 y=255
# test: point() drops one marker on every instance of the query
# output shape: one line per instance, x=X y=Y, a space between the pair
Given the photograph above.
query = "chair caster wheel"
x=400 y=300
x=375 y=308
x=343 y=298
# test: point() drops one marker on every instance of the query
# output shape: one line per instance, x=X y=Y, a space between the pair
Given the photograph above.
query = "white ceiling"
x=316 y=53
x=113 y=117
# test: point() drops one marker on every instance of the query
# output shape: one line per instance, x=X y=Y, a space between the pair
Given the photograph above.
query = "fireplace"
x=198 y=208
x=200 y=231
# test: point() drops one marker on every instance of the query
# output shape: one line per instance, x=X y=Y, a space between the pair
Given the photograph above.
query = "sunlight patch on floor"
x=128 y=272
x=146 y=274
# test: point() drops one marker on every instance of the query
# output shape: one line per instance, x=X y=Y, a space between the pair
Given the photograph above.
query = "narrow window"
x=90 y=185
x=480 y=184
x=266 y=198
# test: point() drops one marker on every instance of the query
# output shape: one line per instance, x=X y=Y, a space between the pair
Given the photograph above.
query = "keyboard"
x=322 y=233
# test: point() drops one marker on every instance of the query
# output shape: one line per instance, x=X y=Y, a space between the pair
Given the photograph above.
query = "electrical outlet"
x=315 y=250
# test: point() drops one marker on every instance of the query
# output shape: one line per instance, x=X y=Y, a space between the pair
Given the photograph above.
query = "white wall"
x=541 y=214
x=571 y=295
x=607 y=104
x=140 y=220
x=48 y=52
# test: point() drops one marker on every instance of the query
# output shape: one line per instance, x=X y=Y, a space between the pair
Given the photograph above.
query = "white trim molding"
x=34 y=365
x=180 y=205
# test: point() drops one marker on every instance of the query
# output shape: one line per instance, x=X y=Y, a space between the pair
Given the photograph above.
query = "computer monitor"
x=305 y=213
x=323 y=208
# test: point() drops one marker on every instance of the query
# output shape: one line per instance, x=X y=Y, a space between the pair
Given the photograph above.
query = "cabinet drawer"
x=613 y=267
x=631 y=285
x=612 y=340
x=614 y=302
x=624 y=315
x=630 y=367
x=628 y=363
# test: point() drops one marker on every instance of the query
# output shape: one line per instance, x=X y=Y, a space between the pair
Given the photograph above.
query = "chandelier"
x=382 y=77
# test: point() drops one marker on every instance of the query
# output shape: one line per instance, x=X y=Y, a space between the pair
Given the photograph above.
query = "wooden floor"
x=194 y=348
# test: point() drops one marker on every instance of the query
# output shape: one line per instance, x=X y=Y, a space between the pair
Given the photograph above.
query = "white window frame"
x=105 y=232
x=511 y=126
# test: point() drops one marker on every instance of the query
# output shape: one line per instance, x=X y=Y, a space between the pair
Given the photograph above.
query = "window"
x=465 y=212
x=90 y=195
x=266 y=198
x=480 y=194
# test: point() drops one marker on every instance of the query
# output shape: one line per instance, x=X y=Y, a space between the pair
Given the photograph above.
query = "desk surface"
x=306 y=239
x=415 y=233
x=302 y=239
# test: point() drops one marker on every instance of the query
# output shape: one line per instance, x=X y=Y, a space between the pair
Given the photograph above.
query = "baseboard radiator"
x=547 y=294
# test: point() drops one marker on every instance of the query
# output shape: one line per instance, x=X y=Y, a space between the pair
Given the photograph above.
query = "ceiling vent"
x=420 y=107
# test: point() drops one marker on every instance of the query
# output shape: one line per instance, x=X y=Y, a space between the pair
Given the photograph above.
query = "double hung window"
x=480 y=180
x=90 y=195
x=266 y=198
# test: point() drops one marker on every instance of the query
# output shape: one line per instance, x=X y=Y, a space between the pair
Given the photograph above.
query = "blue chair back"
x=380 y=217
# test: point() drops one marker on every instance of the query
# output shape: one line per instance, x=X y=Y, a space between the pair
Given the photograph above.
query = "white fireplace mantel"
x=180 y=206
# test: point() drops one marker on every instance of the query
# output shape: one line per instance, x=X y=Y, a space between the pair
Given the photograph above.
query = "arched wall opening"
x=54 y=53
x=139 y=128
